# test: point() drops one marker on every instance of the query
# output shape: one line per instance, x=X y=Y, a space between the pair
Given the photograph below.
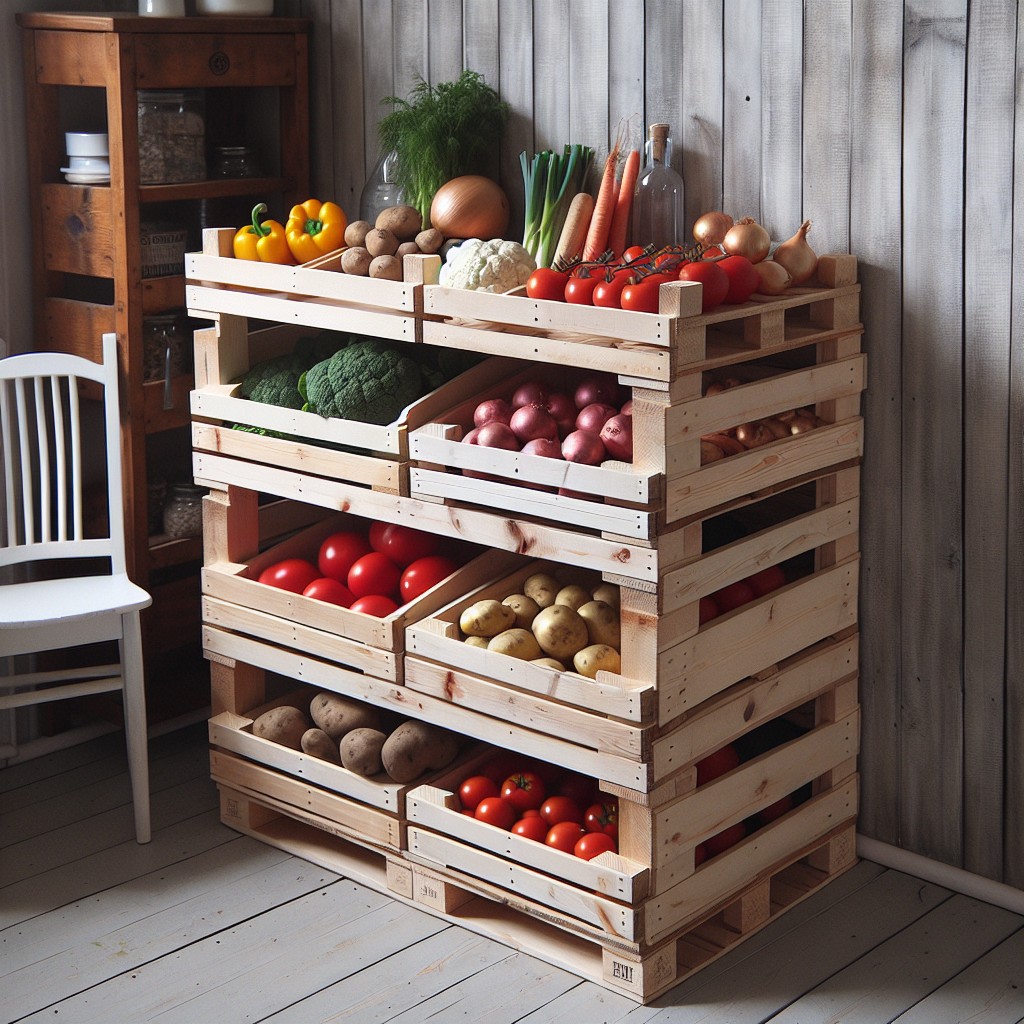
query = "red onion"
x=492 y=410
x=530 y=421
x=583 y=446
x=545 y=447
x=594 y=416
x=530 y=393
x=497 y=435
x=471 y=436
x=604 y=388
x=617 y=436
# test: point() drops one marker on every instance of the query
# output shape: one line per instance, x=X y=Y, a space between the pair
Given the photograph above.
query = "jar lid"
x=160 y=318
x=167 y=95
x=234 y=150
x=186 y=489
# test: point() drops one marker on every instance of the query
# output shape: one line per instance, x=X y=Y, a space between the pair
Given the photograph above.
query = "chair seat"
x=44 y=602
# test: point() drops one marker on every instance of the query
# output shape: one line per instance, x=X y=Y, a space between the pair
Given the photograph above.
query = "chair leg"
x=135 y=721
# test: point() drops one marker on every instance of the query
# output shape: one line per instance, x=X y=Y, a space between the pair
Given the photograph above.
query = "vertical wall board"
x=444 y=40
x=988 y=194
x=701 y=129
x=743 y=146
x=515 y=33
x=875 y=213
x=409 y=18
x=826 y=143
x=355 y=149
x=1013 y=836
x=551 y=128
x=932 y=703
x=378 y=73
x=663 y=45
x=587 y=47
x=782 y=102
x=625 y=71
x=483 y=51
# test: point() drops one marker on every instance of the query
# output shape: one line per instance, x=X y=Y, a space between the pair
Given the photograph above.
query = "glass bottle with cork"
x=658 y=215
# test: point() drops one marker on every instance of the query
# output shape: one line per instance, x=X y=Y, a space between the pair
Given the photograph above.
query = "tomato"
x=767 y=580
x=376 y=534
x=714 y=279
x=339 y=551
x=634 y=252
x=403 y=544
x=776 y=810
x=524 y=790
x=743 y=278
x=563 y=835
x=423 y=574
x=609 y=293
x=531 y=812
x=535 y=828
x=718 y=763
x=713 y=252
x=642 y=297
x=590 y=844
x=580 y=290
x=474 y=789
x=500 y=765
x=724 y=839
x=377 y=605
x=496 y=811
x=373 y=574
x=733 y=596
x=708 y=610
x=602 y=817
x=294 y=574
x=331 y=591
x=561 y=808
x=545 y=283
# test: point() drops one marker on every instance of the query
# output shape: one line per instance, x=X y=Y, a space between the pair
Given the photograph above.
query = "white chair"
x=41 y=444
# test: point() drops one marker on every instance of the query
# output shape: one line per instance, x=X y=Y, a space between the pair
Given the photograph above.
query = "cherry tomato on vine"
x=712 y=277
x=474 y=789
x=524 y=791
x=496 y=811
x=609 y=293
x=642 y=297
x=564 y=835
x=590 y=844
x=580 y=290
x=743 y=278
x=545 y=283
x=535 y=828
x=602 y=817
x=634 y=252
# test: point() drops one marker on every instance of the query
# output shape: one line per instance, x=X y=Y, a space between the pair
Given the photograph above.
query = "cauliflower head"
x=495 y=265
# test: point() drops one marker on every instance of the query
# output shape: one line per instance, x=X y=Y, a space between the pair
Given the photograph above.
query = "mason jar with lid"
x=183 y=512
x=235 y=162
x=164 y=352
x=172 y=136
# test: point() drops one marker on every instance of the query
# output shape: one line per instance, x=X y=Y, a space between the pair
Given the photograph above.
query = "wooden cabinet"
x=86 y=72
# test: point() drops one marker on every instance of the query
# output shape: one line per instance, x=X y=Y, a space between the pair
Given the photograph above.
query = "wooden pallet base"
x=642 y=976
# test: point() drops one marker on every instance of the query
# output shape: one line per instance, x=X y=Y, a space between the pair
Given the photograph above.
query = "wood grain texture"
x=743 y=169
x=700 y=132
x=987 y=297
x=931 y=748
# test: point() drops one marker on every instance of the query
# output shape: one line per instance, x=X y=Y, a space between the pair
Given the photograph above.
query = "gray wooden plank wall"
x=899 y=130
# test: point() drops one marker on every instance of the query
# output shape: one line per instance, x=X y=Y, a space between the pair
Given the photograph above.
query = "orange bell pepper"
x=315 y=228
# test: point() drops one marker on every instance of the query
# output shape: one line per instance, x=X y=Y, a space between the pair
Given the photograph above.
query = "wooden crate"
x=370 y=454
x=235 y=600
x=316 y=294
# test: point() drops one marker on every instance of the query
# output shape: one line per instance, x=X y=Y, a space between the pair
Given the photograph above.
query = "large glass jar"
x=164 y=351
x=183 y=513
x=172 y=136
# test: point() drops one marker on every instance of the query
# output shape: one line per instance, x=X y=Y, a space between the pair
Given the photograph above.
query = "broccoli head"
x=369 y=381
x=275 y=381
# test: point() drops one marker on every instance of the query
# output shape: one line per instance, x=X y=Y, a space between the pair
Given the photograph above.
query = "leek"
x=550 y=181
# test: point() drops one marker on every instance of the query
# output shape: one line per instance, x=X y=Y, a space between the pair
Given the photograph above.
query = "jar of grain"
x=172 y=136
x=164 y=352
x=183 y=512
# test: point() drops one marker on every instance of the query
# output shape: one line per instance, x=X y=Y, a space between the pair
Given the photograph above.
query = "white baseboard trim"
x=966 y=882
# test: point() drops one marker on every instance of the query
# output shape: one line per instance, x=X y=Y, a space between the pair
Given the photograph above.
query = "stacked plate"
x=88 y=158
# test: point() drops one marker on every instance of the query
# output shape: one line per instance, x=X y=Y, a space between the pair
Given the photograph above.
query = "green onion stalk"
x=550 y=181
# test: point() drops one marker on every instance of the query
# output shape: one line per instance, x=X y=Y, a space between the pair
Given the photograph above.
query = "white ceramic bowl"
x=86 y=144
x=88 y=165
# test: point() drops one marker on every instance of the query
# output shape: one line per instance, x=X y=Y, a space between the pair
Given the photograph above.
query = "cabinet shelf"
x=214 y=188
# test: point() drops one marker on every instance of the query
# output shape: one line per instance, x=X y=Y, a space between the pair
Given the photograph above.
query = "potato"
x=573 y=596
x=543 y=588
x=602 y=623
x=477 y=641
x=360 y=751
x=404 y=222
x=284 y=725
x=597 y=658
x=416 y=747
x=386 y=268
x=317 y=743
x=607 y=592
x=525 y=608
x=337 y=715
x=549 y=663
x=560 y=631
x=486 y=618
x=356 y=261
x=407 y=249
x=516 y=643
x=381 y=242
x=355 y=233
x=429 y=241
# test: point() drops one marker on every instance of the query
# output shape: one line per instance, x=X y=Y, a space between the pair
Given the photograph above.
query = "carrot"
x=597 y=236
x=624 y=203
x=574 y=231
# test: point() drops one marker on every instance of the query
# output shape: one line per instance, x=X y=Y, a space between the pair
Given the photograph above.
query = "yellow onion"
x=747 y=238
x=710 y=228
x=470 y=206
x=797 y=256
x=774 y=277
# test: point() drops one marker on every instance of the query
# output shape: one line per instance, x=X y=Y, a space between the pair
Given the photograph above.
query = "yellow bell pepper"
x=264 y=242
x=315 y=228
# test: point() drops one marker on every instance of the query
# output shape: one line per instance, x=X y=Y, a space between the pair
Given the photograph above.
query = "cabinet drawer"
x=202 y=61
x=78 y=230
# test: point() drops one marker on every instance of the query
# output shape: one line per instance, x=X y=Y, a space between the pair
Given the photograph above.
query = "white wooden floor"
x=204 y=926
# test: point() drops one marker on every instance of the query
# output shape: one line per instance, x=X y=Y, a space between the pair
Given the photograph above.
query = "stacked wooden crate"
x=640 y=920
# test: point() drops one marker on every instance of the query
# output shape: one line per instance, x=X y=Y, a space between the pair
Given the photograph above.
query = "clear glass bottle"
x=381 y=189
x=658 y=215
x=183 y=512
